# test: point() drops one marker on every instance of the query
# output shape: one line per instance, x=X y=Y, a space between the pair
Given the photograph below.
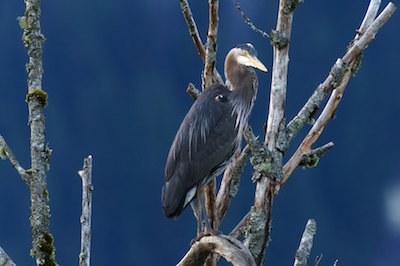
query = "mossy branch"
x=36 y=98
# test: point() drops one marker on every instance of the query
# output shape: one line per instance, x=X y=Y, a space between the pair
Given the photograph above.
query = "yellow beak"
x=254 y=62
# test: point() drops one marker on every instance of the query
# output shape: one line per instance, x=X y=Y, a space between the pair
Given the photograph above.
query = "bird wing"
x=205 y=140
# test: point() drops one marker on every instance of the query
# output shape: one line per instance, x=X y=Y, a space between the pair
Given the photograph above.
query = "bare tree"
x=270 y=174
x=35 y=177
x=269 y=171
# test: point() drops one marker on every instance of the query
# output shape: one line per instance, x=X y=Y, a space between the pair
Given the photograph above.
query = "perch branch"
x=86 y=218
x=6 y=151
x=341 y=80
x=230 y=248
x=5 y=260
x=306 y=243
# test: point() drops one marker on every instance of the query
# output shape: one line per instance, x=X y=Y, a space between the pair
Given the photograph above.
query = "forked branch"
x=337 y=76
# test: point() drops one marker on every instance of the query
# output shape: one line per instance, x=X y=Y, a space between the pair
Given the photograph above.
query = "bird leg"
x=202 y=214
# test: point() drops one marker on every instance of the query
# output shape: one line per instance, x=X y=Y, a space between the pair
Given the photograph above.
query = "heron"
x=210 y=134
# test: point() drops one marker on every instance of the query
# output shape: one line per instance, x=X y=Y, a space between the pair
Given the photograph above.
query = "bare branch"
x=187 y=14
x=36 y=98
x=370 y=15
x=323 y=89
x=335 y=78
x=306 y=243
x=6 y=151
x=369 y=34
x=5 y=260
x=269 y=168
x=230 y=248
x=211 y=46
x=279 y=79
x=86 y=218
x=193 y=91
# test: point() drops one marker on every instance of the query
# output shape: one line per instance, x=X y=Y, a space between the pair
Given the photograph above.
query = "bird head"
x=246 y=54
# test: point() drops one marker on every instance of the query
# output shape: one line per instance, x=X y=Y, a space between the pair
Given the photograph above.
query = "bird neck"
x=244 y=83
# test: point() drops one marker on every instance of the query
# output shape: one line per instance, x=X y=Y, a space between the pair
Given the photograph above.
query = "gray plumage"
x=211 y=131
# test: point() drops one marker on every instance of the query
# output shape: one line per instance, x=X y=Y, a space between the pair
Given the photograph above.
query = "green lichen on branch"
x=310 y=160
x=22 y=22
x=290 y=5
x=279 y=39
x=358 y=60
x=47 y=249
x=337 y=72
x=255 y=232
x=39 y=95
x=3 y=154
x=33 y=39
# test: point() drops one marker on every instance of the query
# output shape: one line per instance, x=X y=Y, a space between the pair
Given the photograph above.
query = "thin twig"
x=248 y=21
x=86 y=218
x=306 y=243
x=13 y=160
x=188 y=15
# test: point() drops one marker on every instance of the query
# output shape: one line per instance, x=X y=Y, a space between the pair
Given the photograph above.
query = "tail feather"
x=173 y=197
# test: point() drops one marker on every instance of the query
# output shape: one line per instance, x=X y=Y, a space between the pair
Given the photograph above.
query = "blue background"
x=116 y=74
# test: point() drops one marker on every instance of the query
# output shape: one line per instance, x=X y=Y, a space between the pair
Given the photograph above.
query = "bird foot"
x=207 y=233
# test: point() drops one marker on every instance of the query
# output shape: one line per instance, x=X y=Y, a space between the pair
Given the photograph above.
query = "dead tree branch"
x=5 y=152
x=270 y=166
x=5 y=260
x=230 y=248
x=306 y=243
x=337 y=79
x=36 y=98
x=86 y=218
x=267 y=155
x=198 y=43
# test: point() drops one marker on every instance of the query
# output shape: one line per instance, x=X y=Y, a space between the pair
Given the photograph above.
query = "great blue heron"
x=210 y=134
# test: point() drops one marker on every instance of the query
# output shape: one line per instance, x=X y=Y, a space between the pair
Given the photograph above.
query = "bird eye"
x=245 y=53
x=220 y=98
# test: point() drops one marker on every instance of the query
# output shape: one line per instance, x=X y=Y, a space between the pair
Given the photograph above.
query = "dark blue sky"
x=116 y=74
